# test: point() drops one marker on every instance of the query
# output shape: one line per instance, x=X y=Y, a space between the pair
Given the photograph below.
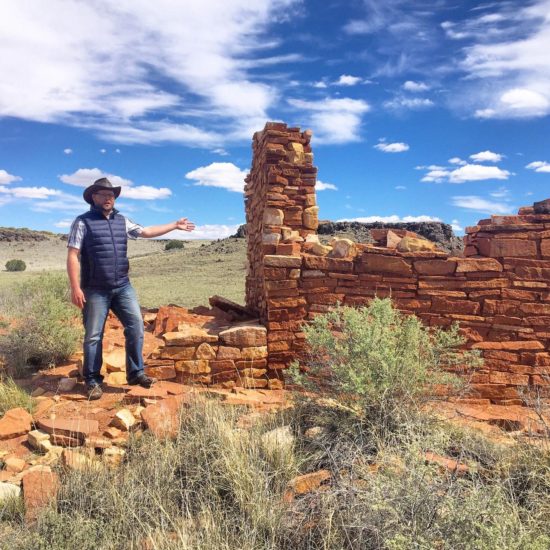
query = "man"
x=97 y=248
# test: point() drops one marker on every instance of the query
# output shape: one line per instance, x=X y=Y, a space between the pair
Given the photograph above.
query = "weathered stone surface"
x=188 y=336
x=471 y=265
x=116 y=379
x=343 y=248
x=163 y=419
x=518 y=345
x=273 y=216
x=161 y=372
x=320 y=249
x=258 y=352
x=435 y=267
x=8 y=491
x=205 y=351
x=137 y=393
x=307 y=483
x=244 y=336
x=197 y=366
x=73 y=427
x=282 y=261
x=14 y=465
x=115 y=361
x=66 y=385
x=178 y=352
x=39 y=489
x=14 y=423
x=412 y=244
x=378 y=263
x=123 y=420
x=228 y=352
x=310 y=217
x=39 y=440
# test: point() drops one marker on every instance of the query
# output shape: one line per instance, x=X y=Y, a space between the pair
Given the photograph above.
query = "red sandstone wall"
x=498 y=292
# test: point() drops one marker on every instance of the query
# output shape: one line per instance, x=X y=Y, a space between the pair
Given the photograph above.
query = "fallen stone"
x=37 y=392
x=97 y=442
x=39 y=440
x=112 y=432
x=116 y=379
x=306 y=483
x=123 y=420
x=163 y=419
x=277 y=441
x=115 y=361
x=74 y=428
x=14 y=423
x=412 y=244
x=39 y=489
x=188 y=336
x=66 y=384
x=74 y=460
x=14 y=464
x=138 y=393
x=113 y=456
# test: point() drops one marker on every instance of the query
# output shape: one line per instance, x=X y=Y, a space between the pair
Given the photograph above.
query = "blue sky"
x=420 y=110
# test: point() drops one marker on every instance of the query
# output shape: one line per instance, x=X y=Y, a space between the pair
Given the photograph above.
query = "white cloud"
x=511 y=57
x=6 y=178
x=322 y=186
x=400 y=187
x=348 y=80
x=320 y=84
x=29 y=192
x=539 y=166
x=392 y=219
x=159 y=63
x=479 y=204
x=117 y=150
x=414 y=103
x=207 y=231
x=62 y=202
x=145 y=192
x=68 y=151
x=84 y=177
x=63 y=224
x=398 y=147
x=486 y=156
x=412 y=86
x=333 y=120
x=103 y=151
x=467 y=172
x=220 y=151
x=455 y=224
x=501 y=193
x=219 y=174
x=457 y=160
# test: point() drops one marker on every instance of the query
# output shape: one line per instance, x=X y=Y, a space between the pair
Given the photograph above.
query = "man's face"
x=104 y=199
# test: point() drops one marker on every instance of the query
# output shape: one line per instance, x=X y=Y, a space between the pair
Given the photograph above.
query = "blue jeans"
x=124 y=304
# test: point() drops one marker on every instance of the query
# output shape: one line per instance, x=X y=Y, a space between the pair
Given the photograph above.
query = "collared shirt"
x=78 y=232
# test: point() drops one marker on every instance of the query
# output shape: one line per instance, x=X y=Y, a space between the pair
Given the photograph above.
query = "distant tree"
x=16 y=265
x=173 y=245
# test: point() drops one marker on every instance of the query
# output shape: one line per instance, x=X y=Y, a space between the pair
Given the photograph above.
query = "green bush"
x=45 y=325
x=12 y=396
x=173 y=245
x=378 y=360
x=16 y=265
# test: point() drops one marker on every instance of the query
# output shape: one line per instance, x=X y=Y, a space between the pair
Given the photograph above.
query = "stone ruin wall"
x=498 y=291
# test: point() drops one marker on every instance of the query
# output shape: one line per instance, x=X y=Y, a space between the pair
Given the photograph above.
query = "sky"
x=420 y=110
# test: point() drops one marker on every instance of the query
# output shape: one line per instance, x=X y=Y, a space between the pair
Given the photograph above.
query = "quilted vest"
x=103 y=256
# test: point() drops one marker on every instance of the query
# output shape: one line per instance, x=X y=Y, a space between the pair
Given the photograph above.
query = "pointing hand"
x=184 y=224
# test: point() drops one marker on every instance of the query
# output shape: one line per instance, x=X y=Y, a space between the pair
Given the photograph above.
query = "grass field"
x=185 y=277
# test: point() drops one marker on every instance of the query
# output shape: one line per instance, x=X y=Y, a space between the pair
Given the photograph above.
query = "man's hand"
x=184 y=224
x=77 y=297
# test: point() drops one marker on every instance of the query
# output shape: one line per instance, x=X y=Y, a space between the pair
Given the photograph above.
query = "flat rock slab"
x=14 y=423
x=39 y=489
x=77 y=428
x=163 y=419
x=173 y=388
x=244 y=336
x=137 y=393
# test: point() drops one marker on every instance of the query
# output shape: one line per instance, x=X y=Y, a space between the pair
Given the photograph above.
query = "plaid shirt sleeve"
x=133 y=229
x=76 y=234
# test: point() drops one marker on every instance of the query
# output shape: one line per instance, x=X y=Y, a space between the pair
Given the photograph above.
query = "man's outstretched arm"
x=73 y=271
x=182 y=224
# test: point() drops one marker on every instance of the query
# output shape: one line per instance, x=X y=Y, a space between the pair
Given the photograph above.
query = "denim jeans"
x=124 y=304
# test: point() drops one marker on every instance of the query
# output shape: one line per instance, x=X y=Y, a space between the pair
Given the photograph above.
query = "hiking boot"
x=142 y=380
x=94 y=392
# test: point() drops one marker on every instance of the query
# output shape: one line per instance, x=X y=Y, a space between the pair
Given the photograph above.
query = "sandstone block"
x=205 y=351
x=310 y=218
x=178 y=353
x=161 y=372
x=14 y=464
x=8 y=491
x=116 y=379
x=228 y=352
x=343 y=248
x=14 y=423
x=198 y=366
x=244 y=336
x=123 y=420
x=282 y=261
x=379 y=263
x=39 y=489
x=188 y=335
x=507 y=248
x=469 y=265
x=258 y=352
x=115 y=361
x=412 y=244
x=271 y=238
x=37 y=439
x=273 y=216
x=435 y=267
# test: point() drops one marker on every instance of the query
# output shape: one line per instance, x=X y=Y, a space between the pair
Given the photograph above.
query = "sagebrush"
x=44 y=326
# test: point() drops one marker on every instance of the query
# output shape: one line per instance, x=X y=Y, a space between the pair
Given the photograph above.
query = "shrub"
x=12 y=396
x=16 y=265
x=173 y=245
x=45 y=325
x=379 y=361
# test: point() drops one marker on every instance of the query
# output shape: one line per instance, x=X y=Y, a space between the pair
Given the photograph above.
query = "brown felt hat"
x=98 y=185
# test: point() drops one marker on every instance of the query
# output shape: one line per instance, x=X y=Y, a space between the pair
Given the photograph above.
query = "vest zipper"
x=114 y=248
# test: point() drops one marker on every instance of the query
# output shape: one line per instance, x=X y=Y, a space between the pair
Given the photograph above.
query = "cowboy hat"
x=98 y=185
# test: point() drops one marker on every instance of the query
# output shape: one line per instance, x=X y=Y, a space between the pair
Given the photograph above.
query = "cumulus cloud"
x=157 y=59
x=480 y=204
x=455 y=224
x=6 y=178
x=400 y=187
x=348 y=80
x=397 y=147
x=333 y=120
x=457 y=160
x=224 y=175
x=63 y=224
x=467 y=172
x=322 y=186
x=392 y=219
x=29 y=192
x=486 y=156
x=68 y=151
x=412 y=86
x=83 y=177
x=539 y=166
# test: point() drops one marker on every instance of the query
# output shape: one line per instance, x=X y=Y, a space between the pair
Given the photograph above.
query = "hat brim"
x=89 y=191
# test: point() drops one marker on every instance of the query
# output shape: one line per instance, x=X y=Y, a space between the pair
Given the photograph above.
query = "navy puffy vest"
x=103 y=256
